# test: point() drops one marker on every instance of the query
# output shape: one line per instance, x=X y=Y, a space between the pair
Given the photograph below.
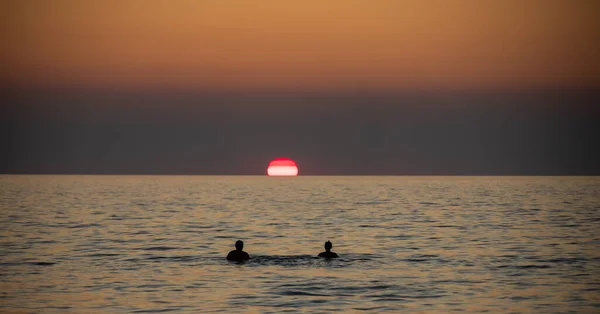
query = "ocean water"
x=138 y=244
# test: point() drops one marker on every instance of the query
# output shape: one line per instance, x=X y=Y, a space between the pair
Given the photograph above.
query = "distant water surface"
x=137 y=244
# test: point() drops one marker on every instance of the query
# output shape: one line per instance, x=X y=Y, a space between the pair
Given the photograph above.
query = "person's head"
x=239 y=245
x=328 y=245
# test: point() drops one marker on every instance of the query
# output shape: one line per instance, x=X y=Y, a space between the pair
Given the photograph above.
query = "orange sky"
x=314 y=45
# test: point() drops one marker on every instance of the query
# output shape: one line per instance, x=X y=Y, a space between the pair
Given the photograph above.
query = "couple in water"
x=239 y=255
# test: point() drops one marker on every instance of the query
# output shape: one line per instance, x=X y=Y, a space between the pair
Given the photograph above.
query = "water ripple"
x=406 y=244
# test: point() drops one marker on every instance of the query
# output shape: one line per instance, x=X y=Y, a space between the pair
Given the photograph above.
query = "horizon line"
x=307 y=175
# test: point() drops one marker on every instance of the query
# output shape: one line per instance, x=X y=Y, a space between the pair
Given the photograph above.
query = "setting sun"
x=282 y=167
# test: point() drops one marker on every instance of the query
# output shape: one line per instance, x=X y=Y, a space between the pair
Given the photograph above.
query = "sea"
x=422 y=244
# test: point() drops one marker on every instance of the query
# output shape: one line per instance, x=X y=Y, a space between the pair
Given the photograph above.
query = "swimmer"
x=328 y=253
x=238 y=255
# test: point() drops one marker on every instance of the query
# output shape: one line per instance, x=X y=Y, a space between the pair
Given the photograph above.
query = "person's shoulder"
x=238 y=256
x=328 y=255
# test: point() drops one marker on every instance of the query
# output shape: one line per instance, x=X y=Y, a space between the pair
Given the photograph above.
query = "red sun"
x=282 y=167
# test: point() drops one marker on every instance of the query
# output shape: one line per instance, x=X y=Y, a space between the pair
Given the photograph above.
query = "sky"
x=342 y=87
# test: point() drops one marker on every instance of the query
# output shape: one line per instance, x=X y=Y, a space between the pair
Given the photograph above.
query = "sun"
x=282 y=167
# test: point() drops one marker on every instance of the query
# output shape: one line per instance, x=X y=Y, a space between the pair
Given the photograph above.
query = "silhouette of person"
x=328 y=253
x=238 y=255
